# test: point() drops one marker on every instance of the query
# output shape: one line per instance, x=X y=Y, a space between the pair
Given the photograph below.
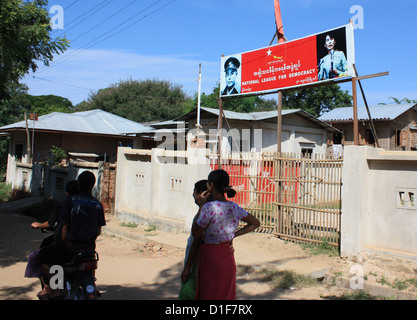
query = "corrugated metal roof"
x=381 y=112
x=233 y=115
x=258 y=116
x=252 y=116
x=93 y=121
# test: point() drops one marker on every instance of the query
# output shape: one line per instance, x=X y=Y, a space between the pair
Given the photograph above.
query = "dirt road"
x=149 y=268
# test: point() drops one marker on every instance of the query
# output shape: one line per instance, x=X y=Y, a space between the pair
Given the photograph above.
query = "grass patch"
x=322 y=248
x=5 y=192
x=129 y=224
x=150 y=228
x=398 y=284
x=357 y=295
x=287 y=279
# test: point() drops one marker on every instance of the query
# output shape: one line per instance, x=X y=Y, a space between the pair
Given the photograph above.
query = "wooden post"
x=279 y=122
x=198 y=99
x=371 y=122
x=220 y=136
x=28 y=140
x=355 y=113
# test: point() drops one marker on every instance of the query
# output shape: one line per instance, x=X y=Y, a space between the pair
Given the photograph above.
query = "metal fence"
x=295 y=196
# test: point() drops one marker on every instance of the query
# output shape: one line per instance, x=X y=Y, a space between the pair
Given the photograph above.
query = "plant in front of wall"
x=58 y=154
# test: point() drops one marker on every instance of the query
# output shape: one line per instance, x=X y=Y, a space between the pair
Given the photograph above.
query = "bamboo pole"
x=220 y=136
x=355 y=113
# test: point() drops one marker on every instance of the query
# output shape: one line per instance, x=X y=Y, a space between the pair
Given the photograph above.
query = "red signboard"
x=321 y=57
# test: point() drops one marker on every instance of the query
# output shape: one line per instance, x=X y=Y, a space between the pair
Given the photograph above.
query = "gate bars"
x=296 y=197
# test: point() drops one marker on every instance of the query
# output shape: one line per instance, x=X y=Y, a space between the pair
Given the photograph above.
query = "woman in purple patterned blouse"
x=217 y=224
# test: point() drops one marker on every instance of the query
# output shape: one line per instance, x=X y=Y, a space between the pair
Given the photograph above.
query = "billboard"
x=321 y=57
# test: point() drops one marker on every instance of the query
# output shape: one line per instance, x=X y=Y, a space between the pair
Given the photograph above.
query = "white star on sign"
x=269 y=52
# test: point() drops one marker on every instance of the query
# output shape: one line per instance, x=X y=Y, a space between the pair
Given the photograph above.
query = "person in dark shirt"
x=33 y=269
x=53 y=222
x=82 y=217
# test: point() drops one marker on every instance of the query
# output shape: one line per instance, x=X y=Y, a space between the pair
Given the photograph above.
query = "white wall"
x=263 y=135
x=374 y=219
x=156 y=187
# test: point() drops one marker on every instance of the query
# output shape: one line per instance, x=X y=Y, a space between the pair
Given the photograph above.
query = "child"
x=189 y=273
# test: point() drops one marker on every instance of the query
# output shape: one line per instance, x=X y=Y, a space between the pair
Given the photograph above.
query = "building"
x=395 y=126
x=257 y=131
x=88 y=136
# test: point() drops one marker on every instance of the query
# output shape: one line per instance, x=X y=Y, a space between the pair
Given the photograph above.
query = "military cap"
x=231 y=63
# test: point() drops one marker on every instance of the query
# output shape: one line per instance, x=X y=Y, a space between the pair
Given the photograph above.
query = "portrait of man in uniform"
x=232 y=78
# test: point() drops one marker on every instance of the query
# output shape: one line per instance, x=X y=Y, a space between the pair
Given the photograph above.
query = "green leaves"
x=25 y=40
x=317 y=100
x=140 y=101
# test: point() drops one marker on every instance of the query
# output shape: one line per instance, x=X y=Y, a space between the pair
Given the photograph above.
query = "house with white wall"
x=92 y=135
x=256 y=131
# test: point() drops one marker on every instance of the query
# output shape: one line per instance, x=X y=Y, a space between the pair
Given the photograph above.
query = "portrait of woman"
x=333 y=63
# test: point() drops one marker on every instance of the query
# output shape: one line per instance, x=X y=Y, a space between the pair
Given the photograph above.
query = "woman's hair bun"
x=230 y=192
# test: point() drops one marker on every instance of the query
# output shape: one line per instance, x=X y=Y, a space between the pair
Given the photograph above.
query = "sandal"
x=47 y=296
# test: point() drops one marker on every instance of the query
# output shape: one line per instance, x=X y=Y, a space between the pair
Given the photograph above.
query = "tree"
x=404 y=100
x=12 y=110
x=242 y=104
x=314 y=100
x=140 y=101
x=19 y=102
x=25 y=40
x=317 y=100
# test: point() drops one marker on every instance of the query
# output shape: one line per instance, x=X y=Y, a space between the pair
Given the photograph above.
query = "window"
x=337 y=138
x=306 y=149
x=18 y=152
x=370 y=139
x=306 y=152
x=176 y=184
x=400 y=138
x=140 y=179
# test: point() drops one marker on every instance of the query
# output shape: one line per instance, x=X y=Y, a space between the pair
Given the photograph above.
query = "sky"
x=118 y=40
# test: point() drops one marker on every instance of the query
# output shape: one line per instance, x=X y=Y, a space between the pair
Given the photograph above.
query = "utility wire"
x=79 y=50
x=87 y=46
x=69 y=23
x=141 y=96
x=67 y=57
x=61 y=83
x=104 y=21
x=69 y=6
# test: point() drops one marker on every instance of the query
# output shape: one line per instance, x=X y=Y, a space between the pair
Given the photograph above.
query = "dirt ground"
x=149 y=267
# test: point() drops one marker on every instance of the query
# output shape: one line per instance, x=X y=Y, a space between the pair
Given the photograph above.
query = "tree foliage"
x=19 y=101
x=314 y=100
x=242 y=104
x=13 y=109
x=401 y=101
x=140 y=101
x=317 y=100
x=25 y=40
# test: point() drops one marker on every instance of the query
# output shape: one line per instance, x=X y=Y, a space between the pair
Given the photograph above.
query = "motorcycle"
x=79 y=277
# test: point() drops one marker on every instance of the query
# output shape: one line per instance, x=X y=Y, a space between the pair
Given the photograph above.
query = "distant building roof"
x=257 y=116
x=93 y=121
x=381 y=112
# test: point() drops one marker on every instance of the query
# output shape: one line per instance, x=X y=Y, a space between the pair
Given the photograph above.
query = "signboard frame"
x=289 y=65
